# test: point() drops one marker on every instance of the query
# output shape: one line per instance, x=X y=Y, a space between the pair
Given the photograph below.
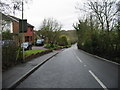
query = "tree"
x=84 y=33
x=63 y=40
x=104 y=11
x=6 y=35
x=4 y=7
x=11 y=6
x=50 y=29
x=103 y=40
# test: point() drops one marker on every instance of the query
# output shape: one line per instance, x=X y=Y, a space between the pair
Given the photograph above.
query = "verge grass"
x=29 y=52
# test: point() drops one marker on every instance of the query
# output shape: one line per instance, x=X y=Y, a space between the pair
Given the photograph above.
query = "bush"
x=48 y=46
x=52 y=46
x=98 y=42
x=63 y=40
x=11 y=54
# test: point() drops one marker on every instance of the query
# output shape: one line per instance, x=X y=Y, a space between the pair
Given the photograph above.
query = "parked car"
x=7 y=43
x=26 y=46
x=40 y=42
x=1 y=42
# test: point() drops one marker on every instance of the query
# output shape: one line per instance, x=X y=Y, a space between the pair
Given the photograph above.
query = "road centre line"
x=78 y=57
x=85 y=65
x=98 y=80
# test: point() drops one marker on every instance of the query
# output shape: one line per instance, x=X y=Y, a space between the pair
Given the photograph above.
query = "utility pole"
x=22 y=33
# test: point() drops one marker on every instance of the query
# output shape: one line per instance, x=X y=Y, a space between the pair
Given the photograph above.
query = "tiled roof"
x=20 y=19
x=8 y=17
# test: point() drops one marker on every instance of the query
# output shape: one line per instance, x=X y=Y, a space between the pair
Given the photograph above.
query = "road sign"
x=22 y=25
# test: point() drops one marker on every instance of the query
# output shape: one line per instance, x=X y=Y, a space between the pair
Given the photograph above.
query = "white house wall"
x=8 y=26
x=11 y=27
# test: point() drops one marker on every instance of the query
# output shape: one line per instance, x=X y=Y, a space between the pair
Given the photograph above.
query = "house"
x=6 y=23
x=12 y=23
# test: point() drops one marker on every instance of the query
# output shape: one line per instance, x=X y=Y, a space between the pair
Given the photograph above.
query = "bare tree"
x=16 y=5
x=11 y=6
x=50 y=29
x=4 y=7
x=105 y=12
x=118 y=8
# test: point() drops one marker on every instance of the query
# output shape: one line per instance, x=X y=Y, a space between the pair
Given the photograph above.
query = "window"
x=31 y=29
x=30 y=38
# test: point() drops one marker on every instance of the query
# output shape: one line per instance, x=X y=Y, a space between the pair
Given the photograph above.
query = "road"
x=73 y=68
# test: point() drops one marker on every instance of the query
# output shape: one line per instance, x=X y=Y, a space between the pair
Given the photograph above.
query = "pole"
x=22 y=32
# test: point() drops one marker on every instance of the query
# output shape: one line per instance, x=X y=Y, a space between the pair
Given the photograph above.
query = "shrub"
x=63 y=40
x=11 y=54
x=52 y=46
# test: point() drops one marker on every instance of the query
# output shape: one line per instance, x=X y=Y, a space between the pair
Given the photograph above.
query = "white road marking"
x=78 y=58
x=85 y=65
x=98 y=80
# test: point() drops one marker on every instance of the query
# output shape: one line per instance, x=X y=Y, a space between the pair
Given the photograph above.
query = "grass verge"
x=29 y=52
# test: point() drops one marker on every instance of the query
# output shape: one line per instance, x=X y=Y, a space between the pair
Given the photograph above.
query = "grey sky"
x=62 y=10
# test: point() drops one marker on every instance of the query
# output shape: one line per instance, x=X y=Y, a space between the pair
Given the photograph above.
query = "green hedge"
x=11 y=55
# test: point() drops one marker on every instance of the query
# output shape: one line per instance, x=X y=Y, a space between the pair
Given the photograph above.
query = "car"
x=40 y=42
x=5 y=43
x=1 y=42
x=26 y=45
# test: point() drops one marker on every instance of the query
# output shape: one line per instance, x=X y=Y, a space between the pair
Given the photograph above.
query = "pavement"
x=73 y=68
x=14 y=74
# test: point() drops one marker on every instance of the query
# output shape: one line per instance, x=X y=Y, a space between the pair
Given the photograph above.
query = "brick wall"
x=15 y=27
x=18 y=36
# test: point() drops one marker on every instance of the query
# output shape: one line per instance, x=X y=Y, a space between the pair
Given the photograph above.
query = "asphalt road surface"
x=72 y=68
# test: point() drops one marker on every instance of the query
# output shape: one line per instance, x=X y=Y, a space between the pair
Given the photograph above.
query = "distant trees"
x=71 y=36
x=99 y=32
x=50 y=30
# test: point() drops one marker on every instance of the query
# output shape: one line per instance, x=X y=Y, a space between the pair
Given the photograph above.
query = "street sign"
x=22 y=26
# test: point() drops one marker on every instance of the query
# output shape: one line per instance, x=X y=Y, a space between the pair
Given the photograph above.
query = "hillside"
x=71 y=35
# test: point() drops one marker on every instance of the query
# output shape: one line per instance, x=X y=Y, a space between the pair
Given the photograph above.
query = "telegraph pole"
x=22 y=33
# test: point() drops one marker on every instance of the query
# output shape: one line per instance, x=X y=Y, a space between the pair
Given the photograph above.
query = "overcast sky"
x=62 y=10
